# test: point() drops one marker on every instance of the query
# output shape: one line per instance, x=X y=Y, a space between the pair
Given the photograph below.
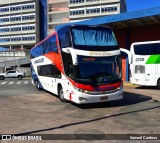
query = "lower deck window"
x=49 y=71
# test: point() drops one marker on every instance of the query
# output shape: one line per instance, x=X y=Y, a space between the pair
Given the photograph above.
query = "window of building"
x=28 y=37
x=49 y=71
x=4 y=29
x=28 y=17
x=16 y=18
x=28 y=6
x=15 y=7
x=4 y=19
x=77 y=11
x=16 y=38
x=5 y=39
x=109 y=8
x=94 y=9
x=28 y=27
x=76 y=1
x=91 y=0
x=4 y=9
x=15 y=28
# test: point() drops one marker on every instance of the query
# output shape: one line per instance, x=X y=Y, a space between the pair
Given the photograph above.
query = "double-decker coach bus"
x=79 y=63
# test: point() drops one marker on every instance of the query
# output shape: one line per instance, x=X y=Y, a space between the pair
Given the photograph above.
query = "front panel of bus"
x=96 y=74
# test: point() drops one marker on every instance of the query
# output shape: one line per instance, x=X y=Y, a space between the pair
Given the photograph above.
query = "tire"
x=38 y=85
x=2 y=77
x=158 y=84
x=61 y=94
x=20 y=77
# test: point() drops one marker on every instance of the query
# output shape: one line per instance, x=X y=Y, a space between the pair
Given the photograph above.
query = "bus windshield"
x=93 y=38
x=98 y=70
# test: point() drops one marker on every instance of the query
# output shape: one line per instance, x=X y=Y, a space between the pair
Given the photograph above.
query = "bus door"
x=138 y=74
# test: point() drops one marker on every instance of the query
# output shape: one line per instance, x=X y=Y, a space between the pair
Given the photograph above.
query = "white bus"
x=145 y=63
x=81 y=64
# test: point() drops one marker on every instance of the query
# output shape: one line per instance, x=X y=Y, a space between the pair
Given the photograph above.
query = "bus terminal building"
x=130 y=27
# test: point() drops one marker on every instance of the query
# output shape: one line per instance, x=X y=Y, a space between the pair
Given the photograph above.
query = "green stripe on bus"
x=153 y=59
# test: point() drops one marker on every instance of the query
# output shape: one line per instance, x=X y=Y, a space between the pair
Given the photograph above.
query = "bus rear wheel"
x=61 y=94
x=158 y=84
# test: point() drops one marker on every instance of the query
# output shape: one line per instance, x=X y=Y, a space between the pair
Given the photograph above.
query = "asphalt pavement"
x=26 y=110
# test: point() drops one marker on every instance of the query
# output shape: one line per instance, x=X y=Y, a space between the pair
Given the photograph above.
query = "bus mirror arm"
x=128 y=53
x=73 y=54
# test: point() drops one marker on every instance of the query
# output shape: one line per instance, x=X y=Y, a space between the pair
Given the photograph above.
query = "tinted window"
x=45 y=47
x=64 y=38
x=93 y=38
x=147 y=49
x=68 y=64
x=49 y=71
x=50 y=45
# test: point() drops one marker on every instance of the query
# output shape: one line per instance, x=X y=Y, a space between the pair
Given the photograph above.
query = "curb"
x=129 y=84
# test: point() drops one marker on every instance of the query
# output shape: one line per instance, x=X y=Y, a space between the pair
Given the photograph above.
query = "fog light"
x=81 y=98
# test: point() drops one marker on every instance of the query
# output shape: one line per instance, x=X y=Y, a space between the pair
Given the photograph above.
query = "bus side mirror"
x=128 y=53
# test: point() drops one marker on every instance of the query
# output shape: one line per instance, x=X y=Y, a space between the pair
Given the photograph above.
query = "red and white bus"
x=79 y=63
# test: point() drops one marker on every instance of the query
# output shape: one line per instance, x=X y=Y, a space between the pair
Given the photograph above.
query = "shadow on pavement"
x=128 y=99
x=147 y=87
x=84 y=122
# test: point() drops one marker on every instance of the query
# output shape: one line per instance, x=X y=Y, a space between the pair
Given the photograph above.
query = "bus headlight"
x=119 y=88
x=81 y=90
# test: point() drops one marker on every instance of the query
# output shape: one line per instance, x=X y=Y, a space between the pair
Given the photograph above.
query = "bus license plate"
x=104 y=98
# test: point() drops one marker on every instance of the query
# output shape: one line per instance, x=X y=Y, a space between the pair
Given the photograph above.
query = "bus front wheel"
x=37 y=85
x=158 y=84
x=61 y=94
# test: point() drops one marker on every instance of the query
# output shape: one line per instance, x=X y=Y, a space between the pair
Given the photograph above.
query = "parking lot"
x=24 y=110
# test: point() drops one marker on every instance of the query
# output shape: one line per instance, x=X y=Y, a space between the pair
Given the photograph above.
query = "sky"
x=134 y=5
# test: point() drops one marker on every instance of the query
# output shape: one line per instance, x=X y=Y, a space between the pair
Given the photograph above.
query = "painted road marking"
x=26 y=82
x=3 y=82
x=18 y=82
x=11 y=82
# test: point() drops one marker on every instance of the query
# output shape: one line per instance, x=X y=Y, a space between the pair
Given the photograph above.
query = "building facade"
x=58 y=13
x=64 y=11
x=19 y=23
x=87 y=9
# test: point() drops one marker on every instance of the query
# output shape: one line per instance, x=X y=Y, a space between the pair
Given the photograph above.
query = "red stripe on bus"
x=97 y=88
x=56 y=59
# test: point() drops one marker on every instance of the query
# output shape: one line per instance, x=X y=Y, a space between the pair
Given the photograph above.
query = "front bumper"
x=83 y=98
